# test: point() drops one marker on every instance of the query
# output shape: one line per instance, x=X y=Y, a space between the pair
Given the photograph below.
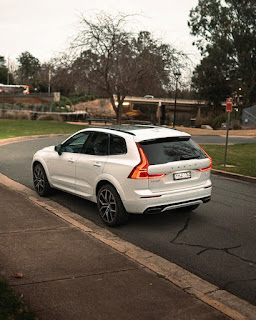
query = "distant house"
x=249 y=117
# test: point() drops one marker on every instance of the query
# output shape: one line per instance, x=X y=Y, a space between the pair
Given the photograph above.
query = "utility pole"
x=49 y=81
x=158 y=113
x=177 y=75
x=8 y=75
x=229 y=106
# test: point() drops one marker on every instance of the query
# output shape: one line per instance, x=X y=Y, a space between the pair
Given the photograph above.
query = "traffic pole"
x=229 y=105
x=226 y=147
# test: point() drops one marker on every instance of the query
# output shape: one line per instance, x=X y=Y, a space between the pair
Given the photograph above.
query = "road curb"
x=208 y=293
x=233 y=175
x=4 y=142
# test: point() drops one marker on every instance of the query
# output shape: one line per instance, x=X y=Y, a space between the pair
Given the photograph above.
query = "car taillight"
x=209 y=167
x=141 y=170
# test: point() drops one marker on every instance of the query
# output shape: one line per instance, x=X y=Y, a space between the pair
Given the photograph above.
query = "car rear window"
x=164 y=150
x=117 y=145
x=98 y=144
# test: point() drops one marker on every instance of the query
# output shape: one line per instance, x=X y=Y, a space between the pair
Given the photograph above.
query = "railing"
x=113 y=121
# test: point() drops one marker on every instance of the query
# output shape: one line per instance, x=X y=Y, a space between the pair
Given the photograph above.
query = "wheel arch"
x=111 y=182
x=102 y=183
x=35 y=163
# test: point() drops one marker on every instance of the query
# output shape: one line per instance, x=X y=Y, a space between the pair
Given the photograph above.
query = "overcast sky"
x=44 y=27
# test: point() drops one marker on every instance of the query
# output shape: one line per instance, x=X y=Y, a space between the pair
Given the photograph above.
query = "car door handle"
x=97 y=164
x=71 y=160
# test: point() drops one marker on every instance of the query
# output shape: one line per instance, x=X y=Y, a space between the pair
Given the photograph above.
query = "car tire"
x=110 y=206
x=41 y=183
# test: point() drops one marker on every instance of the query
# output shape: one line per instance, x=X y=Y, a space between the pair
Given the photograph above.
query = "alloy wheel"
x=39 y=180
x=107 y=206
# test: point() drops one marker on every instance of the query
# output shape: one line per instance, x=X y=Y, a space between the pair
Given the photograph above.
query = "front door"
x=62 y=168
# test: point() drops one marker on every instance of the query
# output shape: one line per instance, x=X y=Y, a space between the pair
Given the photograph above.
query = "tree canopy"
x=115 y=61
x=5 y=75
x=29 y=67
x=3 y=70
x=225 y=32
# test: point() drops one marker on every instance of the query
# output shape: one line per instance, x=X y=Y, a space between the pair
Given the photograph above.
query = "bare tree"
x=116 y=62
x=62 y=75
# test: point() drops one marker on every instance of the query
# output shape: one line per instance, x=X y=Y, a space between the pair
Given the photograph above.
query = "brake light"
x=141 y=170
x=209 y=167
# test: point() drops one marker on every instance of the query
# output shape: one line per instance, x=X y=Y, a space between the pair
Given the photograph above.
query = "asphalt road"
x=216 y=241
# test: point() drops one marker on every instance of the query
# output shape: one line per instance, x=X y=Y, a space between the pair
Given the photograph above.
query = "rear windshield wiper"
x=189 y=158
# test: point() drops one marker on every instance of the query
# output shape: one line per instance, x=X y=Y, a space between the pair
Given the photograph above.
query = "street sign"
x=229 y=104
x=56 y=96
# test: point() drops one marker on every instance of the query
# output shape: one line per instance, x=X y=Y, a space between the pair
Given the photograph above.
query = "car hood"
x=46 y=149
x=51 y=148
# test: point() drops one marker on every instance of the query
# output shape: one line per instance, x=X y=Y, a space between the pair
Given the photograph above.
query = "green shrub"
x=50 y=117
x=236 y=125
x=11 y=305
x=222 y=118
x=217 y=121
x=64 y=101
x=75 y=99
x=71 y=100
x=20 y=105
x=203 y=120
x=16 y=115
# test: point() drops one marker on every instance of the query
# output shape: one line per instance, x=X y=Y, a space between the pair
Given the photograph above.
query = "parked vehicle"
x=127 y=169
x=149 y=96
x=14 y=88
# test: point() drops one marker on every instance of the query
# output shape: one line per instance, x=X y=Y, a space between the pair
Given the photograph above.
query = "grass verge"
x=19 y=128
x=241 y=156
x=11 y=306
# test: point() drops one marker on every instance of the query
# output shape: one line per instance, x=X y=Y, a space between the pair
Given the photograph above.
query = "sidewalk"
x=68 y=274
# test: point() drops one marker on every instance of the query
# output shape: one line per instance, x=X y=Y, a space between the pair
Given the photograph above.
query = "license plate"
x=182 y=175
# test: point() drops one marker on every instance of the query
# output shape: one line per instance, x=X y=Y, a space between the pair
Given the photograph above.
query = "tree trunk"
x=119 y=113
x=118 y=109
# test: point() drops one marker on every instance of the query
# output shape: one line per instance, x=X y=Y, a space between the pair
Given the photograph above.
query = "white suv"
x=127 y=169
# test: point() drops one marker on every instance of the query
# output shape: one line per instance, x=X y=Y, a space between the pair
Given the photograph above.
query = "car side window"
x=98 y=144
x=75 y=144
x=117 y=145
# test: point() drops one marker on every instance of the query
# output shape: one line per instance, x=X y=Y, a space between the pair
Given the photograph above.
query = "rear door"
x=179 y=159
x=91 y=163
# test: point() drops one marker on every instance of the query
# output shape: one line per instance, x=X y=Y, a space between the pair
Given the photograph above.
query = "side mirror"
x=58 y=149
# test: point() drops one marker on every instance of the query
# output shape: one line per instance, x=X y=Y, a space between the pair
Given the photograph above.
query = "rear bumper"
x=162 y=202
x=171 y=206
